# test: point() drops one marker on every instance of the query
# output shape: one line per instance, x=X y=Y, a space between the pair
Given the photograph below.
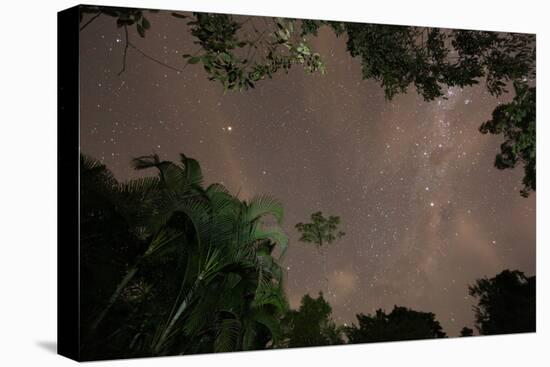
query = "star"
x=380 y=166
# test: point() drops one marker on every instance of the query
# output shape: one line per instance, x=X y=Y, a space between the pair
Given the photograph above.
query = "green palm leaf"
x=229 y=330
x=264 y=205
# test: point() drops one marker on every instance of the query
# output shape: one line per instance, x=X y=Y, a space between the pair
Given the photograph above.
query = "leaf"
x=192 y=170
x=194 y=60
x=226 y=57
x=122 y=22
x=140 y=30
x=228 y=335
x=145 y=23
x=263 y=205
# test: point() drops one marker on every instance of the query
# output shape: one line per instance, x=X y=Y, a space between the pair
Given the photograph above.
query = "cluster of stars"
x=412 y=181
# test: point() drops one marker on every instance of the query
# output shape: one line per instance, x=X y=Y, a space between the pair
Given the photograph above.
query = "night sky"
x=424 y=210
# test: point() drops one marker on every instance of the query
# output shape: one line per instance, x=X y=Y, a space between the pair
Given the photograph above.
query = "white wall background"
x=28 y=182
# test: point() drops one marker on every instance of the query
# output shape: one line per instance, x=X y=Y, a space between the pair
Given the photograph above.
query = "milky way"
x=424 y=210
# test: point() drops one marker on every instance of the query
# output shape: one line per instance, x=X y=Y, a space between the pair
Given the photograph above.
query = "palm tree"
x=206 y=278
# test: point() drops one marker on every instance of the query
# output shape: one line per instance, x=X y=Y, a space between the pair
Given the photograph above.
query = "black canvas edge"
x=68 y=163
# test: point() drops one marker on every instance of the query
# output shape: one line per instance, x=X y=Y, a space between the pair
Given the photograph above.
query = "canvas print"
x=253 y=182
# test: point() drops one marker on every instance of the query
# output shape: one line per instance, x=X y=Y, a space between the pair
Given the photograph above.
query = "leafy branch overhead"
x=238 y=63
x=238 y=52
x=516 y=121
x=123 y=16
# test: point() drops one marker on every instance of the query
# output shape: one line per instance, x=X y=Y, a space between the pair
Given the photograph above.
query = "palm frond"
x=271 y=322
x=192 y=169
x=95 y=173
x=229 y=330
x=162 y=239
x=273 y=234
x=138 y=187
x=146 y=161
x=264 y=205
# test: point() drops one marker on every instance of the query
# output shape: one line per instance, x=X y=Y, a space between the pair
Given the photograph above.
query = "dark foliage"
x=124 y=17
x=506 y=303
x=311 y=325
x=431 y=58
x=516 y=121
x=397 y=57
x=320 y=231
x=170 y=267
x=400 y=324
x=466 y=331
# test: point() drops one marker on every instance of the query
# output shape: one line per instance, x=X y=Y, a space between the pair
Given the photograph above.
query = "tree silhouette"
x=466 y=331
x=311 y=324
x=320 y=232
x=506 y=303
x=400 y=324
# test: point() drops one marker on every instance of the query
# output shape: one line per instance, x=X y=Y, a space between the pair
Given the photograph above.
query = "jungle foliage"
x=170 y=266
x=311 y=325
x=400 y=324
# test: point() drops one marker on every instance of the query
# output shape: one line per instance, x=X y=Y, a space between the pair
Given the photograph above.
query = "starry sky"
x=424 y=210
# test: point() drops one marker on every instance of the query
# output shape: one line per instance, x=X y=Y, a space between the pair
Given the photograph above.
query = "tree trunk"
x=181 y=309
x=324 y=257
x=323 y=254
x=123 y=283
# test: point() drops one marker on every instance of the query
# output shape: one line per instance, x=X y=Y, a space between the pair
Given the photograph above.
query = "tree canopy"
x=238 y=53
x=516 y=121
x=321 y=230
x=400 y=324
x=311 y=325
x=466 y=331
x=506 y=303
x=169 y=266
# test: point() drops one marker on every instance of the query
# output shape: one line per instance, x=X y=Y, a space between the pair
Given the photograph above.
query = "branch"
x=254 y=46
x=147 y=56
x=91 y=20
x=127 y=42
